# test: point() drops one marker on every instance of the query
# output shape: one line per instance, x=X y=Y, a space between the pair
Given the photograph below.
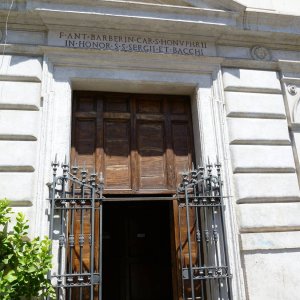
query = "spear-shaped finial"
x=93 y=177
x=218 y=163
x=84 y=172
x=75 y=167
x=209 y=166
x=65 y=167
x=54 y=165
x=218 y=166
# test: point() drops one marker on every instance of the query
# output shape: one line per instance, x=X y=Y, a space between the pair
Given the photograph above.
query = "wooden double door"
x=141 y=144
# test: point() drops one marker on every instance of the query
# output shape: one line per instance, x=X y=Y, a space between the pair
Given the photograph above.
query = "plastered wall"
x=265 y=181
x=20 y=100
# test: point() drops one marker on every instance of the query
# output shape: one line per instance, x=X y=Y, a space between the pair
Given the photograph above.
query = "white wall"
x=266 y=183
x=284 y=6
x=20 y=116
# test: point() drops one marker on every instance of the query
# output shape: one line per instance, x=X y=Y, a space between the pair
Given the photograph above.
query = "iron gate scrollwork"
x=202 y=235
x=76 y=210
x=76 y=231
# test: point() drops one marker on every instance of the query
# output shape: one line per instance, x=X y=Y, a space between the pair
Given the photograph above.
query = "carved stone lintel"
x=261 y=53
x=292 y=89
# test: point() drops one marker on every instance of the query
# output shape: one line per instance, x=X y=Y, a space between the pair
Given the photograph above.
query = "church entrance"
x=137 y=251
x=136 y=220
x=139 y=144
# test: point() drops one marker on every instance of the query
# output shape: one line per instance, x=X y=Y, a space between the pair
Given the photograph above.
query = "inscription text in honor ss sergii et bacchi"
x=132 y=43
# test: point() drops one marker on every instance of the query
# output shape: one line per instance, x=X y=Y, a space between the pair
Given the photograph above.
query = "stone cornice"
x=223 y=26
x=222 y=4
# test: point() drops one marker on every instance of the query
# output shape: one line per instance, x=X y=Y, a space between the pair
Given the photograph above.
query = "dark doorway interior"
x=136 y=251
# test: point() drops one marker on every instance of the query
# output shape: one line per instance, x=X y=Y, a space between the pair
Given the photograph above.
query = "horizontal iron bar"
x=192 y=196
x=208 y=277
x=83 y=285
x=201 y=205
x=75 y=275
x=69 y=199
x=76 y=208
x=154 y=198
x=206 y=268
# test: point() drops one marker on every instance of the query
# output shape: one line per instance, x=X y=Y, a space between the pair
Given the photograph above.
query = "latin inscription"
x=132 y=43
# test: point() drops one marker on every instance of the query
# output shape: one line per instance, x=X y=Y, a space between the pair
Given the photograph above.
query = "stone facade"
x=238 y=60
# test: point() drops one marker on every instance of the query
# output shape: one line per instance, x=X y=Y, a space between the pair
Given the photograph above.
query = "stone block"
x=20 y=95
x=19 y=125
x=25 y=37
x=251 y=80
x=22 y=67
x=270 y=240
x=17 y=187
x=250 y=188
x=272 y=275
x=256 y=158
x=258 y=131
x=17 y=156
x=265 y=217
x=255 y=105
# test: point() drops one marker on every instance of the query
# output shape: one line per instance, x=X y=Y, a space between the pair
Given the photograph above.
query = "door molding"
x=200 y=77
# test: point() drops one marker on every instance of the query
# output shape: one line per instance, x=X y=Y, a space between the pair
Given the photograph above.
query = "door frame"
x=199 y=77
x=169 y=210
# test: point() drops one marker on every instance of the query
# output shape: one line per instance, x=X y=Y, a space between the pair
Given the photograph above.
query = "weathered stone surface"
x=251 y=80
x=25 y=37
x=258 y=131
x=17 y=156
x=27 y=95
x=21 y=67
x=273 y=275
x=251 y=188
x=270 y=240
x=255 y=105
x=17 y=187
x=255 y=158
x=269 y=217
x=19 y=125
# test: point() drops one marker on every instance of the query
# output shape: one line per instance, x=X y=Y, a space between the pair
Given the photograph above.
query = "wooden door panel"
x=151 y=155
x=117 y=170
x=140 y=142
x=85 y=136
x=182 y=148
x=117 y=104
x=149 y=105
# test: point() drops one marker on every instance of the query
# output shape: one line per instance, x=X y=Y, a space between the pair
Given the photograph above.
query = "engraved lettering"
x=133 y=43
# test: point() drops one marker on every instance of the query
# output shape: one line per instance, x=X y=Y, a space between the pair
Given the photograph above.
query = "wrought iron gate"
x=76 y=209
x=202 y=235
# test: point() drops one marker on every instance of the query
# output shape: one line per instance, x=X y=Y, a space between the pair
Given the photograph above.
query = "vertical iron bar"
x=198 y=239
x=62 y=227
x=197 y=217
x=218 y=165
x=215 y=238
x=92 y=234
x=100 y=248
x=52 y=207
x=189 y=242
x=180 y=248
x=71 y=238
x=81 y=235
x=100 y=267
x=205 y=231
